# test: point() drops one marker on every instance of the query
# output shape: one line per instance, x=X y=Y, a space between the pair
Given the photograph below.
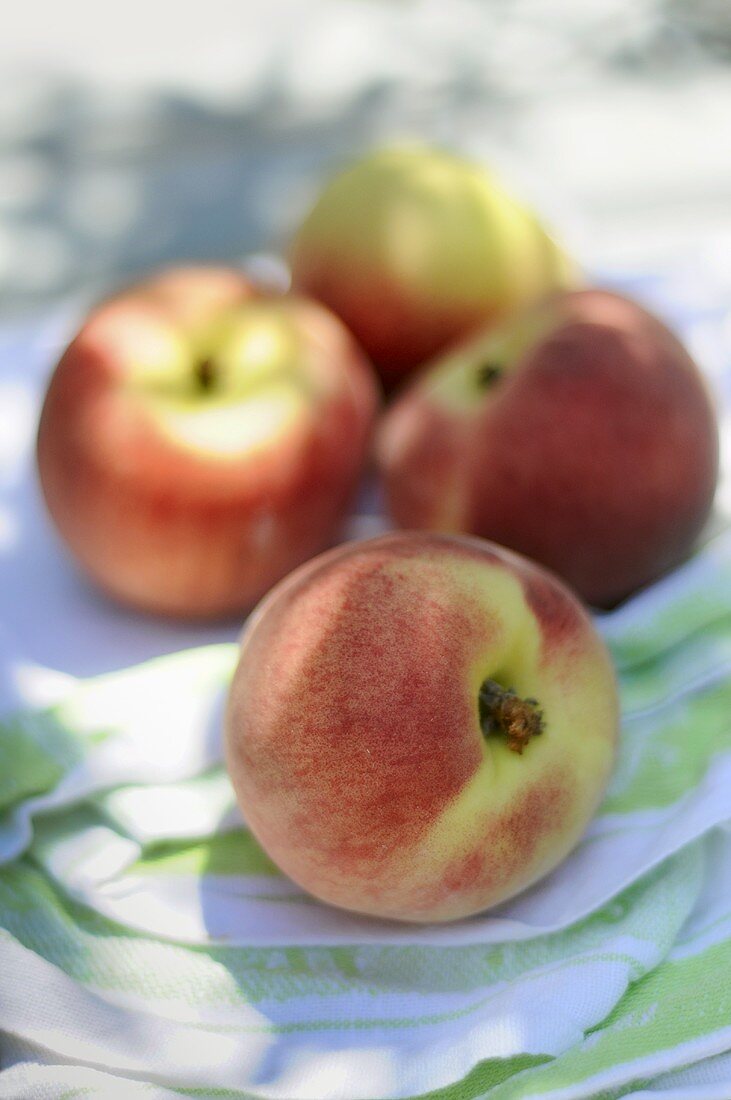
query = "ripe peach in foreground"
x=420 y=726
x=414 y=247
x=199 y=440
x=581 y=434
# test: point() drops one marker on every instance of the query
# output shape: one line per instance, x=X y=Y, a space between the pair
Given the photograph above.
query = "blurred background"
x=139 y=133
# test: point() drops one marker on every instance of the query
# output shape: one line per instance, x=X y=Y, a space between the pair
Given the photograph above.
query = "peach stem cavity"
x=206 y=374
x=488 y=374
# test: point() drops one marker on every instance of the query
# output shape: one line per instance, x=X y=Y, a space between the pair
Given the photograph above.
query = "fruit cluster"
x=420 y=725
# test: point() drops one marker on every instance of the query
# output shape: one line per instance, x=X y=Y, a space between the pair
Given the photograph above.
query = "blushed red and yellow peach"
x=354 y=735
x=198 y=440
x=581 y=433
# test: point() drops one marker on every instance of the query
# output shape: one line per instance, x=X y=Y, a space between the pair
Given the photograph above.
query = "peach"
x=198 y=440
x=413 y=247
x=581 y=434
x=420 y=726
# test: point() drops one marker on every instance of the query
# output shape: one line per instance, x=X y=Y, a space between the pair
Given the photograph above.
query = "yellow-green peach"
x=413 y=247
x=420 y=726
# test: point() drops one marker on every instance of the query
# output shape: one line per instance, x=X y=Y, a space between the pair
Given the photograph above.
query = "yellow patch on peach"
x=232 y=431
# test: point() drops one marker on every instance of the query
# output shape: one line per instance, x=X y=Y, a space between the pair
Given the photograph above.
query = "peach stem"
x=503 y=712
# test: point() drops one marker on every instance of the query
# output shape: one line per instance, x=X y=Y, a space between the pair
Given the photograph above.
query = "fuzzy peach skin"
x=354 y=737
x=199 y=440
x=413 y=247
x=581 y=434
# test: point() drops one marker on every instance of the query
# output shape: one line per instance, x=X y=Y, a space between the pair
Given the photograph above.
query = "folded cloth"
x=149 y=945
